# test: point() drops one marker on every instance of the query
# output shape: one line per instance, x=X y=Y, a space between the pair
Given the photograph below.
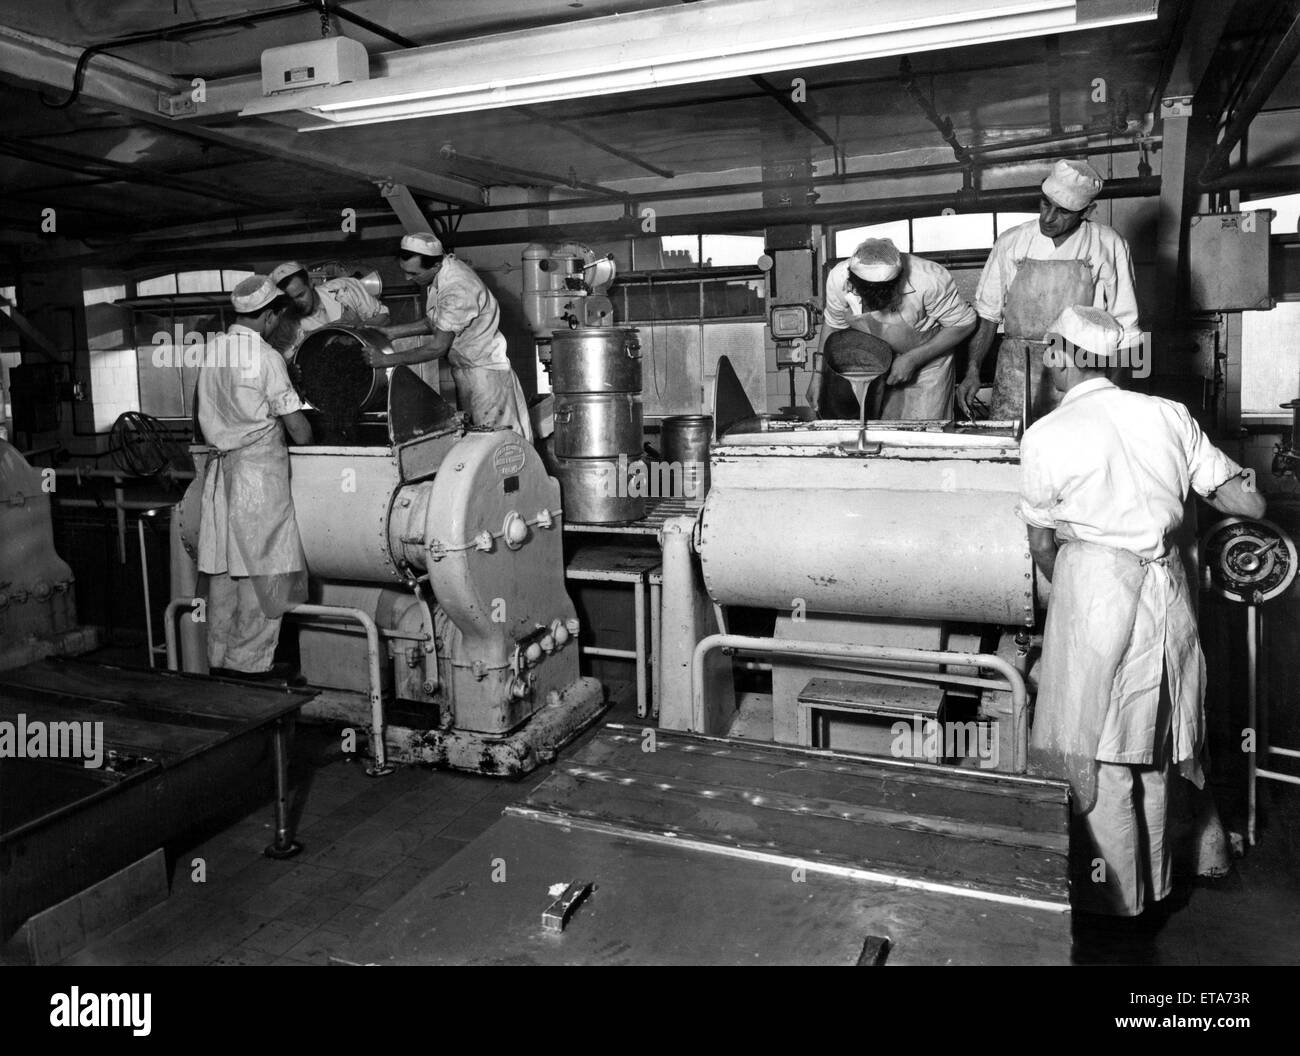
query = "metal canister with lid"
x=596 y=379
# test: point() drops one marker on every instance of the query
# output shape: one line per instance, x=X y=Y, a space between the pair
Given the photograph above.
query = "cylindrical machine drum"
x=603 y=490
x=335 y=377
x=925 y=554
x=597 y=425
x=596 y=359
x=684 y=441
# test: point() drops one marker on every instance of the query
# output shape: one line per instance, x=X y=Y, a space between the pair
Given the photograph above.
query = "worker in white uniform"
x=1036 y=270
x=464 y=319
x=343 y=300
x=1121 y=686
x=911 y=304
x=248 y=535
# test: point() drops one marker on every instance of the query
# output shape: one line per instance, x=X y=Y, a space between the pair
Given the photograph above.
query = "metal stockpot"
x=596 y=359
x=597 y=425
x=684 y=440
x=602 y=490
x=335 y=377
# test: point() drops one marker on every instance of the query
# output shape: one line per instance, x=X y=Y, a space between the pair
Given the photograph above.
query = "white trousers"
x=241 y=637
x=1122 y=861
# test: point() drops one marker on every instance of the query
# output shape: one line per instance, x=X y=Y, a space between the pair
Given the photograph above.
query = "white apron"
x=1116 y=623
x=1040 y=292
x=247 y=525
x=493 y=397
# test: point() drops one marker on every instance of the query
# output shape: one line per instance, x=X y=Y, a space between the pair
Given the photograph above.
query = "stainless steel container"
x=335 y=376
x=603 y=490
x=597 y=425
x=596 y=359
x=684 y=441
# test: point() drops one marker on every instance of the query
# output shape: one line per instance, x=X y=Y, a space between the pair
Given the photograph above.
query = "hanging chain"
x=324 y=18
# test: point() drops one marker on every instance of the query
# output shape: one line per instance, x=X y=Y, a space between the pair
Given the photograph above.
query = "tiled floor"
x=369 y=841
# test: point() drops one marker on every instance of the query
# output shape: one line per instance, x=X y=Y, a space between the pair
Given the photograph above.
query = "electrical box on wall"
x=314 y=64
x=1228 y=254
x=37 y=389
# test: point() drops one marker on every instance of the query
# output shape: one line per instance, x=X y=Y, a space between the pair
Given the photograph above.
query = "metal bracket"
x=556 y=915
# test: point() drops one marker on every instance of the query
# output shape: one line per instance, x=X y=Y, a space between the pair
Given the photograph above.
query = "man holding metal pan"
x=912 y=306
x=464 y=319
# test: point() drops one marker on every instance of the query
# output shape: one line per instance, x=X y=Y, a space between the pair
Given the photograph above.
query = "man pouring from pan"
x=1034 y=272
x=905 y=307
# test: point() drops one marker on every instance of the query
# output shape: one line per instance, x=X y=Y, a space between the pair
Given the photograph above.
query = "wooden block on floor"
x=60 y=931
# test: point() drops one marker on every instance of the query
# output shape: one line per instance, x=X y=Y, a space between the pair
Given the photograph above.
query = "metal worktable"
x=710 y=850
x=174 y=746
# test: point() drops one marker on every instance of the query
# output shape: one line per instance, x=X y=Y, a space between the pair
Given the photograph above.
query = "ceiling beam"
x=128 y=87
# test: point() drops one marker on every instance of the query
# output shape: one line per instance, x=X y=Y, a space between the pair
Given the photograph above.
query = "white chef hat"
x=1072 y=185
x=1090 y=329
x=876 y=260
x=282 y=271
x=425 y=242
x=254 y=293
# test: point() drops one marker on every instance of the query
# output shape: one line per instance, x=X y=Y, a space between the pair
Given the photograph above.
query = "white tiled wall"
x=113 y=385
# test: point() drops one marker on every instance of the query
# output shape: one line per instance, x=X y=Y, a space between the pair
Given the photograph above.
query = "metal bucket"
x=597 y=425
x=684 y=440
x=596 y=359
x=602 y=490
x=334 y=375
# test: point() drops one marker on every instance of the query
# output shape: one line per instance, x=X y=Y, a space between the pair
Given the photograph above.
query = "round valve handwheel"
x=1248 y=560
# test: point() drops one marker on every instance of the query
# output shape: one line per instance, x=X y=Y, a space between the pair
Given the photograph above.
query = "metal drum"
x=597 y=425
x=684 y=441
x=334 y=377
x=603 y=490
x=596 y=378
x=596 y=359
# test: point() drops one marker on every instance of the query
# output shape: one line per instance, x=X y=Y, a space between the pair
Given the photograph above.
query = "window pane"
x=725 y=251
x=103 y=295
x=231 y=279
x=678 y=251
x=734 y=298
x=668 y=300
x=1287 y=221
x=960 y=231
x=158 y=287
x=1006 y=221
x=896 y=231
x=198 y=281
x=1268 y=358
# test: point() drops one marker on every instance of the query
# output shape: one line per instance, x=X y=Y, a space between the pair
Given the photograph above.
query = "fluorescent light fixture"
x=705 y=41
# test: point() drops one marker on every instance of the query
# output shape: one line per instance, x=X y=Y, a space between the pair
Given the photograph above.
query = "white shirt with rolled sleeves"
x=1102 y=247
x=240 y=402
x=335 y=297
x=459 y=303
x=1114 y=467
x=929 y=298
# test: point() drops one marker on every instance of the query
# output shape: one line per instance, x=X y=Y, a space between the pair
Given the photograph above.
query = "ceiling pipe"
x=171 y=33
x=713 y=222
x=452 y=155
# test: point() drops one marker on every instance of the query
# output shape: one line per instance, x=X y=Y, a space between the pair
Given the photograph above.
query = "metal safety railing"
x=379 y=764
x=1014 y=684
